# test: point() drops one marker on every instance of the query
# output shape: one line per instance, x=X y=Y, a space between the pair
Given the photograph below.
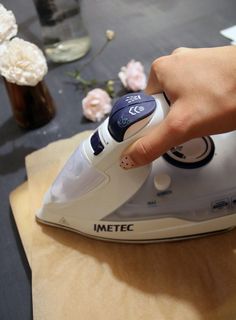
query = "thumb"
x=158 y=141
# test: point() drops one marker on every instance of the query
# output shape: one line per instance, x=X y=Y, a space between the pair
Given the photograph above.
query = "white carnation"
x=3 y=47
x=132 y=76
x=23 y=63
x=8 y=26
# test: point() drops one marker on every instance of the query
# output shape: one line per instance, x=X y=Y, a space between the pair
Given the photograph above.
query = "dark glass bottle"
x=33 y=106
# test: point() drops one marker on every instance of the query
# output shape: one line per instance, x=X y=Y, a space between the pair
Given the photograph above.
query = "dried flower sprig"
x=97 y=102
x=86 y=85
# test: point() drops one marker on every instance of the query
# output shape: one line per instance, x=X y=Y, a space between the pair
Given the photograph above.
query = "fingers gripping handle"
x=131 y=117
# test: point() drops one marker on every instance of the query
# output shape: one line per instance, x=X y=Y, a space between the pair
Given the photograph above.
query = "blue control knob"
x=127 y=111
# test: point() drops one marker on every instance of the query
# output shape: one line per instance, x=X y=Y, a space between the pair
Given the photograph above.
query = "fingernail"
x=126 y=162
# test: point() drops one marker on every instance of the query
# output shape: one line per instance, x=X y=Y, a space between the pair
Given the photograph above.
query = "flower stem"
x=94 y=56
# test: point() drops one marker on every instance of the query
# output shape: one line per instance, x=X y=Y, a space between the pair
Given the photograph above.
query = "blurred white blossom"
x=110 y=34
x=8 y=26
x=96 y=104
x=132 y=76
x=22 y=63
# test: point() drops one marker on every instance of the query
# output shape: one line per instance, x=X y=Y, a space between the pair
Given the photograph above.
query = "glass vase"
x=64 y=36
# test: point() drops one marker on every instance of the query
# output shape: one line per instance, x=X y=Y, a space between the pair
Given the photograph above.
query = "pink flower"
x=96 y=104
x=132 y=76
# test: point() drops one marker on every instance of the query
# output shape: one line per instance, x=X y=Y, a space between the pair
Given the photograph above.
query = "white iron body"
x=192 y=192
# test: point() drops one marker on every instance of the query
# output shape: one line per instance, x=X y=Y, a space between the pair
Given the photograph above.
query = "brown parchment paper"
x=74 y=277
x=19 y=201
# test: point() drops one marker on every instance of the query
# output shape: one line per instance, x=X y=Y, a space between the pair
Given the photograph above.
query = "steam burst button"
x=129 y=100
x=130 y=114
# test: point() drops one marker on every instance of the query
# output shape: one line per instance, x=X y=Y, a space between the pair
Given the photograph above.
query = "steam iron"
x=189 y=192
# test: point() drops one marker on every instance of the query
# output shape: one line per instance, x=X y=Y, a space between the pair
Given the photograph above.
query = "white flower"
x=8 y=26
x=3 y=47
x=110 y=34
x=96 y=104
x=23 y=63
x=132 y=76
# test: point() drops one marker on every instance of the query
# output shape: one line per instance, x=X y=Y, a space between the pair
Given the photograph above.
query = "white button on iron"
x=162 y=181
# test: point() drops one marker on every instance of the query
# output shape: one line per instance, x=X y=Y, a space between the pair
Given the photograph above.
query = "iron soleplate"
x=143 y=241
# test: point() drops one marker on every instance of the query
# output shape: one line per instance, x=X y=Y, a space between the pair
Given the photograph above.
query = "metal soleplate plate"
x=143 y=241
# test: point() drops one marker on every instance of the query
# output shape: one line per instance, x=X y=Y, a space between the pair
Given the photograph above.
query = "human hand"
x=201 y=86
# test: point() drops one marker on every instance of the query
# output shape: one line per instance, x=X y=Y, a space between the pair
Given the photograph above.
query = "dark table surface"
x=144 y=30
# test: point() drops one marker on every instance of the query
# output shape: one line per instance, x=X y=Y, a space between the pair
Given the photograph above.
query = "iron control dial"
x=130 y=114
